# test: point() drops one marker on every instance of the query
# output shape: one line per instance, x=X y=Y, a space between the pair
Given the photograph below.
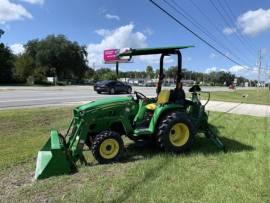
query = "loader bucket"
x=54 y=159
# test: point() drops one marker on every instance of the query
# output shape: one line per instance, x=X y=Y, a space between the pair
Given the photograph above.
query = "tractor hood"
x=104 y=102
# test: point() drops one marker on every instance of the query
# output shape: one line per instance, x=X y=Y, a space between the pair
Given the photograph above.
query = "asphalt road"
x=20 y=96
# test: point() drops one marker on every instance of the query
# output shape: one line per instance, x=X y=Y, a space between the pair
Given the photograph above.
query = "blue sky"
x=101 y=24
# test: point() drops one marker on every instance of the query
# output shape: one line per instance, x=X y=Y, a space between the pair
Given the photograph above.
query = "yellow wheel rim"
x=109 y=148
x=179 y=134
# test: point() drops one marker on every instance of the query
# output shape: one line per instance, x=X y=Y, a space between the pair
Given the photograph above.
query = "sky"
x=239 y=28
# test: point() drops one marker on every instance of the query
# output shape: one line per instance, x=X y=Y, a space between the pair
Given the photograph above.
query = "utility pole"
x=268 y=74
x=259 y=67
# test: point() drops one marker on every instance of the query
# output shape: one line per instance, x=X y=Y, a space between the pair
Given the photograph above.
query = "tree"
x=24 y=67
x=171 y=72
x=102 y=74
x=150 y=72
x=241 y=81
x=58 y=55
x=226 y=78
x=6 y=64
x=110 y=76
x=89 y=73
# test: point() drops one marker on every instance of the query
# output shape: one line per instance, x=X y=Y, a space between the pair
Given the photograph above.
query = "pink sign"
x=111 y=55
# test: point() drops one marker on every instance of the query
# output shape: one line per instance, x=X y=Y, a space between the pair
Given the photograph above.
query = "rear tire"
x=112 y=91
x=107 y=147
x=98 y=92
x=175 y=133
x=129 y=91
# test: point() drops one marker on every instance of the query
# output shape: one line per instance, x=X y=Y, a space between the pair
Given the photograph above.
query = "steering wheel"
x=140 y=95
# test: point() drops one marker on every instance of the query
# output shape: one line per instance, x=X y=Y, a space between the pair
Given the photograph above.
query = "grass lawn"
x=260 y=96
x=145 y=175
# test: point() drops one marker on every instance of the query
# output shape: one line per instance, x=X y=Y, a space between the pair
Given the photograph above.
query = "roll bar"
x=164 y=51
x=161 y=72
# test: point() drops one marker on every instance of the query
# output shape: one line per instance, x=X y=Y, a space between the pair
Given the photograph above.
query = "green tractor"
x=170 y=120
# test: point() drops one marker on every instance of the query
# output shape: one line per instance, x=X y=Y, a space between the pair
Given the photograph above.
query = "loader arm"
x=60 y=153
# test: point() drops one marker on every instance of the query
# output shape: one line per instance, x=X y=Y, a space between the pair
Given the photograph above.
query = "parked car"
x=150 y=84
x=112 y=87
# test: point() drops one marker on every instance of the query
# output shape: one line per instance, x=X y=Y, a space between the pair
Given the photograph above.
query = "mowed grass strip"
x=205 y=174
x=22 y=132
x=259 y=96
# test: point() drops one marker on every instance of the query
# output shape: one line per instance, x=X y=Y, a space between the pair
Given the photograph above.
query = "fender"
x=160 y=111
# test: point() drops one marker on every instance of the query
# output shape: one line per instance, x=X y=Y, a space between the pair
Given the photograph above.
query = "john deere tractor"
x=170 y=120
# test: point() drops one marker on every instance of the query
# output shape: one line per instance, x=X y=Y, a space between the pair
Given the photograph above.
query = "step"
x=142 y=131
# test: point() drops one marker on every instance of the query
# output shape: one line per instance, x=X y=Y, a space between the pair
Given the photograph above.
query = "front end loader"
x=170 y=120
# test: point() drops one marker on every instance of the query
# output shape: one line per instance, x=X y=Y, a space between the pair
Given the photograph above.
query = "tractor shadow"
x=140 y=150
x=146 y=149
x=202 y=145
x=206 y=146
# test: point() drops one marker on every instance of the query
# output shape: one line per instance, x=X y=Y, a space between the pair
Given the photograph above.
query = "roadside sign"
x=111 y=56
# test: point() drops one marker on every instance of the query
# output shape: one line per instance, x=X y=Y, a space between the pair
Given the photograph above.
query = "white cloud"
x=223 y=69
x=10 y=11
x=17 y=48
x=229 y=30
x=236 y=69
x=209 y=70
x=103 y=32
x=254 y=22
x=245 y=71
x=122 y=37
x=41 y=2
x=112 y=17
x=148 y=31
x=232 y=69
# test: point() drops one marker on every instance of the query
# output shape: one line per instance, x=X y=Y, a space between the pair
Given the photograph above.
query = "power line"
x=235 y=17
x=196 y=35
x=228 y=23
x=211 y=22
x=189 y=18
x=231 y=17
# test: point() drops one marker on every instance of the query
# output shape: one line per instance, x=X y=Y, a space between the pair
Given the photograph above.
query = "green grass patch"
x=24 y=131
x=146 y=175
x=260 y=96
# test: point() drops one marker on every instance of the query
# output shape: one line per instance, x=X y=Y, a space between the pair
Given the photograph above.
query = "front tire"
x=175 y=133
x=107 y=147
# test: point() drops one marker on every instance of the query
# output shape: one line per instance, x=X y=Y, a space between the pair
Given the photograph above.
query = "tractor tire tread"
x=163 y=131
x=99 y=138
